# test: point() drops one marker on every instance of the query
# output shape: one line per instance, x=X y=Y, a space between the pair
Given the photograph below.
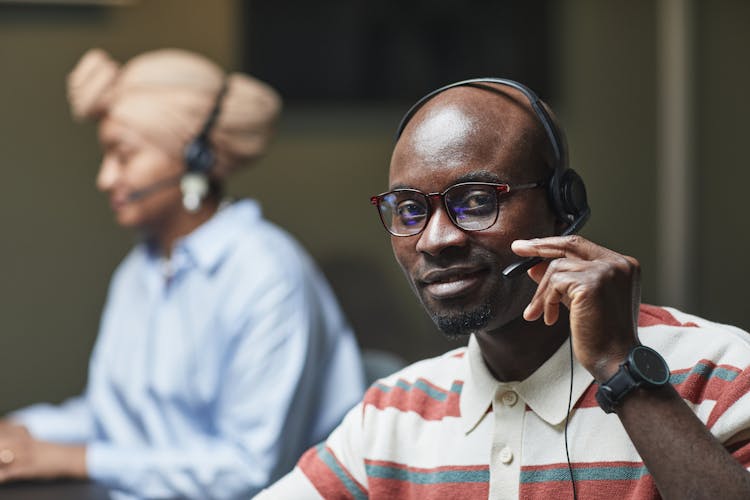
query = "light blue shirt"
x=213 y=372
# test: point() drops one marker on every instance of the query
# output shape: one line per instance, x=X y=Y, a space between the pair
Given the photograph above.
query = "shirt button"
x=509 y=398
x=506 y=455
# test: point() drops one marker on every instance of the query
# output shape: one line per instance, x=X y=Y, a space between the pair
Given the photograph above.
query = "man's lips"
x=451 y=282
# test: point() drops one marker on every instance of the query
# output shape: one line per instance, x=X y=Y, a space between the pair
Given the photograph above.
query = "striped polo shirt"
x=446 y=428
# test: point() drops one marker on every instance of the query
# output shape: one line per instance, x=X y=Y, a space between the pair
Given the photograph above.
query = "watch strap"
x=611 y=392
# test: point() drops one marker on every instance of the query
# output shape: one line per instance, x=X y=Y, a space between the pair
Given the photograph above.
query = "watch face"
x=650 y=365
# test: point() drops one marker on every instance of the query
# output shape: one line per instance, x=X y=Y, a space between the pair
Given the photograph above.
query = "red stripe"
x=730 y=395
x=588 y=398
x=321 y=476
x=641 y=489
x=653 y=315
x=697 y=387
x=415 y=400
x=392 y=488
x=741 y=452
x=583 y=465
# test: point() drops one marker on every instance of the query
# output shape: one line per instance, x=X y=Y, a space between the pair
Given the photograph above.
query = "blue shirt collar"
x=207 y=245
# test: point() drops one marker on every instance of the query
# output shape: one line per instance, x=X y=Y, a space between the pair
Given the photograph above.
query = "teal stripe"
x=600 y=473
x=434 y=393
x=704 y=371
x=428 y=477
x=332 y=464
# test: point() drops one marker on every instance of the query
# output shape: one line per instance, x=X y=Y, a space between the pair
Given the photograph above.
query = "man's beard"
x=460 y=324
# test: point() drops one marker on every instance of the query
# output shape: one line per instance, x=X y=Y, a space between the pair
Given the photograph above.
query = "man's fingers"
x=556 y=247
x=536 y=273
x=555 y=280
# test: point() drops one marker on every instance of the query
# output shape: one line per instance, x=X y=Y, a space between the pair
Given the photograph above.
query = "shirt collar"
x=545 y=391
x=208 y=244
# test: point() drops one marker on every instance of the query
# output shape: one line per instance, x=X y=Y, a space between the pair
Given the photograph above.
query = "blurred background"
x=652 y=95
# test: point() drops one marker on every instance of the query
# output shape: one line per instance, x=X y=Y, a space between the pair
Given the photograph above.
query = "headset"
x=199 y=157
x=565 y=188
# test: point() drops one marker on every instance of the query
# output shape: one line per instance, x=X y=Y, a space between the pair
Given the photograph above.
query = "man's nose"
x=440 y=233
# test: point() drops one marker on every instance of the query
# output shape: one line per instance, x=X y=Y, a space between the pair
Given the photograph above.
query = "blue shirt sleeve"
x=70 y=422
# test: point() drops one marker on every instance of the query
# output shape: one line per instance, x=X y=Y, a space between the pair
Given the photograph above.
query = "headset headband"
x=214 y=114
x=536 y=105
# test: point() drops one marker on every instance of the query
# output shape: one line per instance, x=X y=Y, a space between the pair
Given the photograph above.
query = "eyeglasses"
x=471 y=206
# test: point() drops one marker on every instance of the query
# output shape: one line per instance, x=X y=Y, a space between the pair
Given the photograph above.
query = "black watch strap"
x=611 y=392
x=644 y=367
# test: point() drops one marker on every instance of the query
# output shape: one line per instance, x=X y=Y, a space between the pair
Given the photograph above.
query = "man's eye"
x=474 y=204
x=410 y=212
x=477 y=200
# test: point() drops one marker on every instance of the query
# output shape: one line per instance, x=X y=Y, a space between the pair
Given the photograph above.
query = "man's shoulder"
x=687 y=340
x=658 y=319
x=430 y=388
x=443 y=367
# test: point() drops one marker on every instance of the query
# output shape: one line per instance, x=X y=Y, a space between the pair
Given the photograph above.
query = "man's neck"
x=517 y=349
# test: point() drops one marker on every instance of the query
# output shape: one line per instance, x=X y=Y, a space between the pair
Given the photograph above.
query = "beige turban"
x=167 y=95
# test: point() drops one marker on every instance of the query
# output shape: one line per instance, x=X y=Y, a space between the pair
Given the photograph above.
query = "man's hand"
x=601 y=288
x=24 y=458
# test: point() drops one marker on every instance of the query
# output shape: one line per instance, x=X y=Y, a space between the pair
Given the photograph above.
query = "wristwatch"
x=644 y=367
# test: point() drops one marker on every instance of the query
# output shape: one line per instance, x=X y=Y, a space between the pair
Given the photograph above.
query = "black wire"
x=567 y=417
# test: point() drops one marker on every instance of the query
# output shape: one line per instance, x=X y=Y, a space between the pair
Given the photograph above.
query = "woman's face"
x=130 y=167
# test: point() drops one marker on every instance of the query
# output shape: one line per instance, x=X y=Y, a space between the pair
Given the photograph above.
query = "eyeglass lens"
x=472 y=207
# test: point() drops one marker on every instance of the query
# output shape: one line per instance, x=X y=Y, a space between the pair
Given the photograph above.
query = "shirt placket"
x=505 y=461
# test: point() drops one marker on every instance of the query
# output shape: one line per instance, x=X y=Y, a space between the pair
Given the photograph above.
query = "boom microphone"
x=139 y=194
x=524 y=265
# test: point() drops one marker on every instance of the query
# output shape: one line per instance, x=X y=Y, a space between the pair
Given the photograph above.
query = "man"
x=494 y=419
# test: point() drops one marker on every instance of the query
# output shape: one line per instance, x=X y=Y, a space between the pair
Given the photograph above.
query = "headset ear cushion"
x=572 y=193
x=568 y=194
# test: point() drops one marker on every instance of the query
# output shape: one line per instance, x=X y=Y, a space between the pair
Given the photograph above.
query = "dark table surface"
x=53 y=490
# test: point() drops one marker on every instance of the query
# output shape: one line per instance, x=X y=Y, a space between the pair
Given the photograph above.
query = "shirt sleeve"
x=263 y=412
x=70 y=423
x=333 y=469
x=729 y=419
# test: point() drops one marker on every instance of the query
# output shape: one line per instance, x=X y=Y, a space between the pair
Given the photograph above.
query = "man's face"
x=457 y=274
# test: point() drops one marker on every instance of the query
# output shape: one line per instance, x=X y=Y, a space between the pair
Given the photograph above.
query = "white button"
x=509 y=398
x=506 y=455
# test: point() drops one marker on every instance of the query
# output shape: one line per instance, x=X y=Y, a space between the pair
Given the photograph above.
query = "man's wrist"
x=644 y=367
x=608 y=365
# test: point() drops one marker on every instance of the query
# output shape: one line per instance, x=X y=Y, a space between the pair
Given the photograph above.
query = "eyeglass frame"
x=499 y=188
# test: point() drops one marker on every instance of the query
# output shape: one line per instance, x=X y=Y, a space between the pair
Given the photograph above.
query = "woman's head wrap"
x=167 y=95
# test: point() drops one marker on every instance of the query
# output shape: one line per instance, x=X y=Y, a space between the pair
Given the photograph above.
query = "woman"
x=222 y=354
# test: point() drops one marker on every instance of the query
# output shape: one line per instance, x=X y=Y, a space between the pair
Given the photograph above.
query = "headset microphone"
x=139 y=194
x=524 y=265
